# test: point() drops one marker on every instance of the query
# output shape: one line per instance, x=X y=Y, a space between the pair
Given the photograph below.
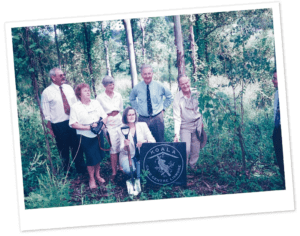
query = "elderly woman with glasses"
x=112 y=103
x=84 y=113
x=139 y=133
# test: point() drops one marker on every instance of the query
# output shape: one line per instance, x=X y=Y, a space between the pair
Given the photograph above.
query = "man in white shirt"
x=56 y=101
x=187 y=119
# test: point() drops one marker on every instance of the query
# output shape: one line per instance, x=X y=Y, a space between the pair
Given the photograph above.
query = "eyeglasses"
x=61 y=75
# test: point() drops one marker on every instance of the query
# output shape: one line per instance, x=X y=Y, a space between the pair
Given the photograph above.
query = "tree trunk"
x=238 y=132
x=108 y=70
x=169 y=67
x=142 y=25
x=88 y=47
x=42 y=70
x=193 y=50
x=36 y=92
x=179 y=46
x=241 y=141
x=201 y=38
x=57 y=47
x=131 y=52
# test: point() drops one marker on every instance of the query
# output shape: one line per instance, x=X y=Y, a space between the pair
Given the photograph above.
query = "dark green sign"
x=164 y=162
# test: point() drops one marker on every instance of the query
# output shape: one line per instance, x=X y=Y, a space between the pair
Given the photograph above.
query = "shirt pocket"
x=195 y=102
x=142 y=98
x=54 y=100
x=196 y=105
x=73 y=100
x=156 y=96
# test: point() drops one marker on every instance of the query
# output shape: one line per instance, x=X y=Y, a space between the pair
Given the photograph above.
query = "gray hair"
x=52 y=72
x=107 y=80
x=144 y=66
x=179 y=77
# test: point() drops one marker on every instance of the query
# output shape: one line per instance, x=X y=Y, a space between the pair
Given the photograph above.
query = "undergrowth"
x=219 y=169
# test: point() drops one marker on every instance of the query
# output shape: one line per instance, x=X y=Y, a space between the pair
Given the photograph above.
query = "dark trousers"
x=156 y=126
x=277 y=142
x=66 y=139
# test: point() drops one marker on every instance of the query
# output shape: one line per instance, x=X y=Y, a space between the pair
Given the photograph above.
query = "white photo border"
x=155 y=210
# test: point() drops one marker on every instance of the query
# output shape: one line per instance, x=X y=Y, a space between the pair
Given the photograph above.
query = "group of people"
x=70 y=116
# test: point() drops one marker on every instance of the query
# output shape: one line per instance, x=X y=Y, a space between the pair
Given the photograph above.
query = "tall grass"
x=52 y=191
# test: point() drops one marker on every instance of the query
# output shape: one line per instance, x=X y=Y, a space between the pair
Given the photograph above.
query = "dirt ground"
x=80 y=186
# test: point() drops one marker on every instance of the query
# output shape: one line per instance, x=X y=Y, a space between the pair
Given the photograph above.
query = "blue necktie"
x=149 y=105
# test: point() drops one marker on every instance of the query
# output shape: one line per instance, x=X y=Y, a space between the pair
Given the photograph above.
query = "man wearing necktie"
x=56 y=102
x=277 y=139
x=147 y=97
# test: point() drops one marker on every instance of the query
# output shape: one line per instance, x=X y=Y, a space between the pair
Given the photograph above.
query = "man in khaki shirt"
x=187 y=119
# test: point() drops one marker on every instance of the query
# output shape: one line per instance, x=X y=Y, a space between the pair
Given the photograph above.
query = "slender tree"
x=32 y=69
x=142 y=26
x=193 y=44
x=179 y=45
x=103 y=28
x=88 y=48
x=131 y=52
x=57 y=47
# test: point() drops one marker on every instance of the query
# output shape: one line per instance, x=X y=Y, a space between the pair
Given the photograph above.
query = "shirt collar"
x=109 y=96
x=55 y=85
x=193 y=92
x=181 y=95
x=146 y=84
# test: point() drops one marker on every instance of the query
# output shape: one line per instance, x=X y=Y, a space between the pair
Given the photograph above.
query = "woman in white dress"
x=112 y=103
x=84 y=113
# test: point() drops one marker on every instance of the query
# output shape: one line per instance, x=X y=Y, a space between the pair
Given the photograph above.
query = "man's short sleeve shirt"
x=52 y=103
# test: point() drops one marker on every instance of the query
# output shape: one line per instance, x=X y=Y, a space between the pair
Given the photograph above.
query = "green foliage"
x=32 y=144
x=169 y=124
x=237 y=47
x=143 y=176
x=52 y=192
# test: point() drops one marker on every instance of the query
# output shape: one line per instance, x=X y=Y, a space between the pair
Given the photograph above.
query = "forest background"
x=228 y=55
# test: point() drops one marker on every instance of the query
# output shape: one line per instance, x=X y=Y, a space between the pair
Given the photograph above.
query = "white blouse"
x=142 y=134
x=86 y=115
x=112 y=104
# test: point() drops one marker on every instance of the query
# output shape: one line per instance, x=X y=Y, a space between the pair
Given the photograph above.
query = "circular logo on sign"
x=164 y=164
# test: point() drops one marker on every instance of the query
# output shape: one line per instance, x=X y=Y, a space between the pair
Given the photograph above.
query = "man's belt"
x=150 y=116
